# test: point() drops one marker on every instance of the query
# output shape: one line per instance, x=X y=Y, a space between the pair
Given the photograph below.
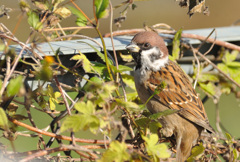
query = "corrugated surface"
x=120 y=42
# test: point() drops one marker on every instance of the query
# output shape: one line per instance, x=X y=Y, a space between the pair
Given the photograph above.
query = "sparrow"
x=153 y=68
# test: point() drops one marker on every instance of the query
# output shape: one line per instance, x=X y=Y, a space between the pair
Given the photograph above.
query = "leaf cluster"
x=106 y=105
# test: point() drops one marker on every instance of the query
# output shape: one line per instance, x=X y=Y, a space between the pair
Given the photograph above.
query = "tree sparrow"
x=153 y=67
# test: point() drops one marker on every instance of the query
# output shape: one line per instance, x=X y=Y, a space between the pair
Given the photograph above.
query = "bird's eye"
x=146 y=45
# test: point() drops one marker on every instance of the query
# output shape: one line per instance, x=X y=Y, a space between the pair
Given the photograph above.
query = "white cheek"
x=156 y=64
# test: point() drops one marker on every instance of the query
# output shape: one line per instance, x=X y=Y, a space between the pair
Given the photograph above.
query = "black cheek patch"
x=154 y=56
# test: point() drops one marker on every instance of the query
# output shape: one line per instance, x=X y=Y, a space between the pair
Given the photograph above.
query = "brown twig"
x=212 y=40
x=184 y=35
x=218 y=119
x=40 y=153
x=55 y=135
x=27 y=103
x=83 y=13
x=63 y=95
x=198 y=66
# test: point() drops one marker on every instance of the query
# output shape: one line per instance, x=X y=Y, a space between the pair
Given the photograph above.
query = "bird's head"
x=148 y=50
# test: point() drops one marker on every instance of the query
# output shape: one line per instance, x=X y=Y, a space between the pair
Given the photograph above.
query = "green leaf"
x=101 y=8
x=86 y=64
x=81 y=19
x=204 y=77
x=234 y=71
x=49 y=92
x=196 y=151
x=176 y=45
x=117 y=152
x=33 y=20
x=52 y=105
x=143 y=122
x=76 y=123
x=129 y=105
x=209 y=88
x=100 y=69
x=156 y=116
x=127 y=58
x=235 y=154
x=223 y=67
x=101 y=55
x=229 y=137
x=95 y=83
x=233 y=64
x=107 y=90
x=121 y=68
x=14 y=85
x=57 y=95
x=154 y=149
x=3 y=119
x=154 y=126
x=132 y=96
x=85 y=108
x=229 y=57
x=45 y=72
x=129 y=80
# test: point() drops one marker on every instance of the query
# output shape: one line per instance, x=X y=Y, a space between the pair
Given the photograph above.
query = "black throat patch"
x=137 y=59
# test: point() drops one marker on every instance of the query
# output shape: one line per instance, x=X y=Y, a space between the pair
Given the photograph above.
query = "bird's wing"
x=178 y=94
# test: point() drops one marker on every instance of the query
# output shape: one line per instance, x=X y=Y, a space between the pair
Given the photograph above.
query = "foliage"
x=116 y=152
x=105 y=111
x=176 y=46
x=154 y=149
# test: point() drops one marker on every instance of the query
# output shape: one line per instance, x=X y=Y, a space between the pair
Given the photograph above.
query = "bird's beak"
x=133 y=48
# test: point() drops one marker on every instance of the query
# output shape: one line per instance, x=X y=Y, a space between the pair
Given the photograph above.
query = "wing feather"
x=178 y=94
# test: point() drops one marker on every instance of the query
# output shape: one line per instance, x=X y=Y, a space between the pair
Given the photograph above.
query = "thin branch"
x=27 y=103
x=218 y=119
x=21 y=44
x=214 y=66
x=198 y=67
x=211 y=40
x=83 y=13
x=184 y=35
x=63 y=95
x=194 y=53
x=55 y=135
x=205 y=40
x=53 y=150
x=14 y=65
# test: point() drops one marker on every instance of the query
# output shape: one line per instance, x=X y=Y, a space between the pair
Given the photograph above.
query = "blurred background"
x=222 y=13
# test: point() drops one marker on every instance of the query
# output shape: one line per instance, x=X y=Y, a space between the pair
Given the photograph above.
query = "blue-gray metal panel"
x=231 y=33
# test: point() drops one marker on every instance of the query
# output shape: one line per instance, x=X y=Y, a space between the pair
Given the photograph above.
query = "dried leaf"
x=63 y=12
